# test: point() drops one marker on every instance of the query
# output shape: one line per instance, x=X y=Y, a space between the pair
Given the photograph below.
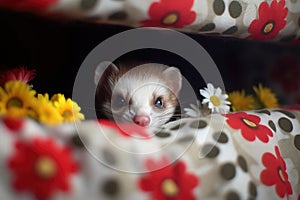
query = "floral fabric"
x=253 y=19
x=241 y=155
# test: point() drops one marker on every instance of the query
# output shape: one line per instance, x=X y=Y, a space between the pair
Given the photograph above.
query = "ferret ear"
x=102 y=68
x=173 y=77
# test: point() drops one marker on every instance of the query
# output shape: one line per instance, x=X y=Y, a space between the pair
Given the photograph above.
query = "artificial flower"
x=241 y=102
x=45 y=112
x=68 y=109
x=41 y=167
x=275 y=173
x=13 y=124
x=170 y=13
x=16 y=98
x=266 y=97
x=215 y=99
x=249 y=125
x=18 y=74
x=271 y=20
x=171 y=181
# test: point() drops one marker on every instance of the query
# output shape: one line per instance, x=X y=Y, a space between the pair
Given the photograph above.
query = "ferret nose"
x=141 y=120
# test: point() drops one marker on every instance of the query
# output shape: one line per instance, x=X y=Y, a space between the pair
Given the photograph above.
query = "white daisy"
x=215 y=99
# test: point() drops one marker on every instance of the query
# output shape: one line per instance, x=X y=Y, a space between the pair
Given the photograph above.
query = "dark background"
x=56 y=49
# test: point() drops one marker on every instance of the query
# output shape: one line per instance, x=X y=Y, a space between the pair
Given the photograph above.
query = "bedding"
x=240 y=155
x=252 y=19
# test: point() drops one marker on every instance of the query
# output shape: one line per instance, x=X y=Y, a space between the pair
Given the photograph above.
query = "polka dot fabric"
x=213 y=157
x=252 y=19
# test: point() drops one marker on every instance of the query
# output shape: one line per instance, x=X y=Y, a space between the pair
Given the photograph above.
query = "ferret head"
x=145 y=95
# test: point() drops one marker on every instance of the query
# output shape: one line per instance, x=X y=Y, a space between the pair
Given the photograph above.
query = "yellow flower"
x=241 y=102
x=69 y=110
x=45 y=111
x=266 y=96
x=16 y=98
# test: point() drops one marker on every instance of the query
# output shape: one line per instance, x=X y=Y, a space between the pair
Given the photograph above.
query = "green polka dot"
x=242 y=163
x=88 y=4
x=272 y=125
x=178 y=126
x=297 y=142
x=232 y=196
x=264 y=112
x=231 y=30
x=121 y=15
x=76 y=141
x=199 y=124
x=287 y=113
x=252 y=190
x=163 y=134
x=108 y=157
x=285 y=124
x=110 y=187
x=227 y=171
x=186 y=139
x=235 y=9
x=221 y=137
x=219 y=7
x=210 y=151
x=208 y=27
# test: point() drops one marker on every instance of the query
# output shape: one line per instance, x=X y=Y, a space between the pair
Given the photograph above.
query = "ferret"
x=145 y=94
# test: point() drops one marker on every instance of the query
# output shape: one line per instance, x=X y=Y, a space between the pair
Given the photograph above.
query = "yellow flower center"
x=249 y=123
x=269 y=26
x=170 y=18
x=14 y=102
x=281 y=175
x=215 y=100
x=67 y=113
x=169 y=188
x=45 y=167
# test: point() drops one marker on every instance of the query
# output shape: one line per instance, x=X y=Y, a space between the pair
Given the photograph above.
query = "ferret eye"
x=118 y=101
x=158 y=103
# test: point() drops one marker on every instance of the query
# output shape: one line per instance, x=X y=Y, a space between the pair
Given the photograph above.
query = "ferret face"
x=145 y=95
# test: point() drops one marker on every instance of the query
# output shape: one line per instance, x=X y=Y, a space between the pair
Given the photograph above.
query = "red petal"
x=269 y=160
x=146 y=184
x=13 y=124
x=268 y=177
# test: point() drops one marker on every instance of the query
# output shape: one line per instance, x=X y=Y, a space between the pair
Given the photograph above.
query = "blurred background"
x=56 y=49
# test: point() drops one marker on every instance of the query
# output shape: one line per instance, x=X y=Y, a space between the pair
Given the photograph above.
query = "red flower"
x=270 y=21
x=13 y=124
x=170 y=13
x=127 y=130
x=18 y=74
x=41 y=167
x=275 y=173
x=36 y=5
x=170 y=182
x=249 y=125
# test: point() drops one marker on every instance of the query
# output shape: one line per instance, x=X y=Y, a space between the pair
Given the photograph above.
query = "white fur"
x=138 y=85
